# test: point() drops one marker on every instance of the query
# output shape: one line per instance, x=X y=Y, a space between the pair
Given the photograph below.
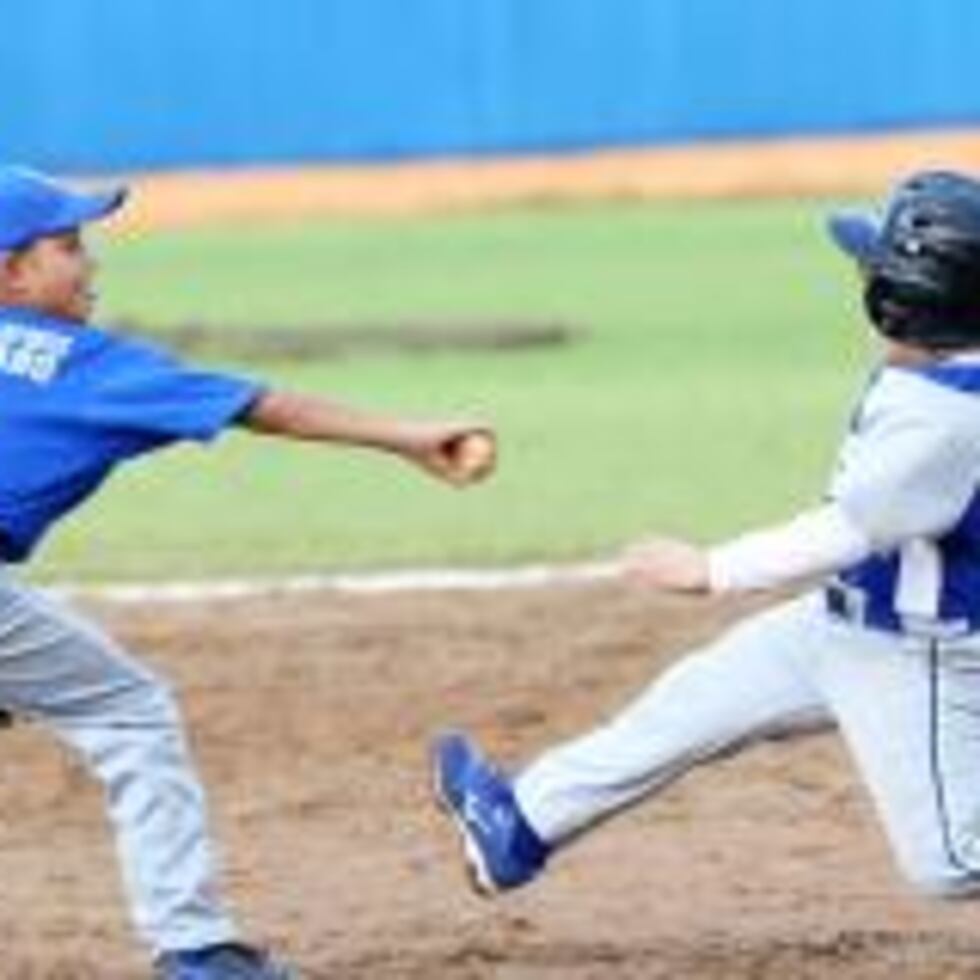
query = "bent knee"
x=151 y=703
x=135 y=702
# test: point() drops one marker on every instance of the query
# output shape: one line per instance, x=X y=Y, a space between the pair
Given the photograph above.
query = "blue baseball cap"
x=856 y=234
x=33 y=206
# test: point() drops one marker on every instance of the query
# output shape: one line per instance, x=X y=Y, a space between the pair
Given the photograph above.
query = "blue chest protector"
x=75 y=401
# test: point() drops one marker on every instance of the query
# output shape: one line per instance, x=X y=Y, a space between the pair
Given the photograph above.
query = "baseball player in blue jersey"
x=75 y=402
x=886 y=647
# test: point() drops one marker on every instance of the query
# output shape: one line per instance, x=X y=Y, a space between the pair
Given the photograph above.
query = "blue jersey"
x=909 y=476
x=75 y=401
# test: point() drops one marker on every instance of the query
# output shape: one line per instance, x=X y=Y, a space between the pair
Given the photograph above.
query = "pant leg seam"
x=936 y=769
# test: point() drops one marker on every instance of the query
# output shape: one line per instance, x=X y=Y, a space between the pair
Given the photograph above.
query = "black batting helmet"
x=921 y=260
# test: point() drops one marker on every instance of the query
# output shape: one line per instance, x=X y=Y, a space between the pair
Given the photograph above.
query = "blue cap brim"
x=82 y=209
x=856 y=234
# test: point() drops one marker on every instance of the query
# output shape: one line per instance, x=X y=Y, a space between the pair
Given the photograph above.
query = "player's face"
x=54 y=275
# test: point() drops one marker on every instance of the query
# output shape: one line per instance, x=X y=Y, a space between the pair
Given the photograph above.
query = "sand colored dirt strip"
x=810 y=166
x=310 y=715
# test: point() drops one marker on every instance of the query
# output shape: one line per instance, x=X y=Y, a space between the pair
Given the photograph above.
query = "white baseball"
x=475 y=455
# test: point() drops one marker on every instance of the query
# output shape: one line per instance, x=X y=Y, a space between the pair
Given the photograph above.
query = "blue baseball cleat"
x=501 y=849
x=228 y=961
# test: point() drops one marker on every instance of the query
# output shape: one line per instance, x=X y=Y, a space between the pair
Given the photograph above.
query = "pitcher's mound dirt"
x=310 y=716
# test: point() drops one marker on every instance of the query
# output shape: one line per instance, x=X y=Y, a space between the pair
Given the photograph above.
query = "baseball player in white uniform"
x=886 y=647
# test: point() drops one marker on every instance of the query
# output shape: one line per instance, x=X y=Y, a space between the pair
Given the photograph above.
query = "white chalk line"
x=409 y=580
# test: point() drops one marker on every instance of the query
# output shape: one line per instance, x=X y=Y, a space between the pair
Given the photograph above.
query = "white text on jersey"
x=32 y=354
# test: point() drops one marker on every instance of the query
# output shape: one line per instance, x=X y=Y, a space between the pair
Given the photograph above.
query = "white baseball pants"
x=61 y=671
x=908 y=710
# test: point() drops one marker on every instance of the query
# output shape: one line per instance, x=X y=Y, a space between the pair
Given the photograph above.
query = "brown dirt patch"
x=310 y=716
x=730 y=169
x=347 y=339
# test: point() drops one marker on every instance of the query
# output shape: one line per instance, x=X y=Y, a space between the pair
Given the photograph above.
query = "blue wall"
x=102 y=84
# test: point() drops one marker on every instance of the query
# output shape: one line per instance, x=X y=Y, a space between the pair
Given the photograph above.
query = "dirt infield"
x=790 y=167
x=310 y=715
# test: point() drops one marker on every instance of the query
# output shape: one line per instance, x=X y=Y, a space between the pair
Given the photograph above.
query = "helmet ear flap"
x=890 y=316
x=909 y=312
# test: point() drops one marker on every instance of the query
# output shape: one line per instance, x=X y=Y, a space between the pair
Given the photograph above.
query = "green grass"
x=722 y=343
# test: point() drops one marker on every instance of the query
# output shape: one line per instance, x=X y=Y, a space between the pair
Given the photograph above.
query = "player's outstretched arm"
x=459 y=452
x=814 y=543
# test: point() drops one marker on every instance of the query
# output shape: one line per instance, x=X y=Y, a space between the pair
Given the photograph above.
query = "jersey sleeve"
x=815 y=542
x=145 y=392
x=908 y=472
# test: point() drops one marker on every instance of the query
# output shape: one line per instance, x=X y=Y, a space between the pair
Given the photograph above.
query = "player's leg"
x=911 y=717
x=63 y=672
x=750 y=684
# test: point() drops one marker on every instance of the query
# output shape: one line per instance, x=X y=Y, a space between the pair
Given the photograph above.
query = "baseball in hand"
x=474 y=457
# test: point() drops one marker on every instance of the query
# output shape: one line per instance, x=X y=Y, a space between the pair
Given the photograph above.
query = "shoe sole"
x=477 y=875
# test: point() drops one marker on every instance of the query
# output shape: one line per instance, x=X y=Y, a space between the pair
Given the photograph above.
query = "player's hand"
x=664 y=563
x=460 y=453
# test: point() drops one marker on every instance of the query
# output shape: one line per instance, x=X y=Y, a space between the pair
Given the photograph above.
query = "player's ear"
x=6 y=271
x=11 y=265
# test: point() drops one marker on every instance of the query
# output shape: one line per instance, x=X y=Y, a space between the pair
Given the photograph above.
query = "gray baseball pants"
x=909 y=711
x=63 y=672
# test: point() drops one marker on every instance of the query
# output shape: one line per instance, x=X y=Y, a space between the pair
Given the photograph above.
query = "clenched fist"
x=460 y=453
